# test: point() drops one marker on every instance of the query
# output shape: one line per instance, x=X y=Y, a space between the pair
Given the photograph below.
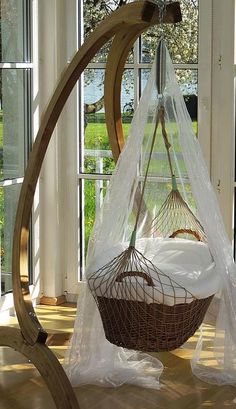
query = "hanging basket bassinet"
x=150 y=327
x=142 y=304
x=141 y=307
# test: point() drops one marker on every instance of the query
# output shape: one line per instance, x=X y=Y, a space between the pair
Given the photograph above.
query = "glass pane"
x=159 y=190
x=181 y=38
x=159 y=167
x=12 y=31
x=127 y=100
x=144 y=77
x=101 y=55
x=97 y=151
x=12 y=126
x=188 y=81
x=94 y=192
x=8 y=203
x=94 y=13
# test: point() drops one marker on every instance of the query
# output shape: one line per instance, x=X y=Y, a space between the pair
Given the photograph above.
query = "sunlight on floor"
x=22 y=387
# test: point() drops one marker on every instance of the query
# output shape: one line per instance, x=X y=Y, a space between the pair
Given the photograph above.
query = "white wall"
x=223 y=133
x=58 y=182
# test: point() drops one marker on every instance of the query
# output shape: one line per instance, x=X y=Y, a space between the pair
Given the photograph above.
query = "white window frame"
x=6 y=300
x=223 y=111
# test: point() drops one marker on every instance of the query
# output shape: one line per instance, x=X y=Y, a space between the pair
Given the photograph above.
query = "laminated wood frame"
x=125 y=25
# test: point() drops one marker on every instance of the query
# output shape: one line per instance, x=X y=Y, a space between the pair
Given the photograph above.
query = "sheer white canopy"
x=90 y=358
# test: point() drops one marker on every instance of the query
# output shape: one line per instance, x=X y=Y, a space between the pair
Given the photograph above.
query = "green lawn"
x=96 y=136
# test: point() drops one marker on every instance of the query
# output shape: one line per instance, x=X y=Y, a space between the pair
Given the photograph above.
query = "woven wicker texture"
x=150 y=327
x=132 y=295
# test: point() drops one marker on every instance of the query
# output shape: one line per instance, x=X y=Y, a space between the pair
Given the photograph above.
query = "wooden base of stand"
x=47 y=364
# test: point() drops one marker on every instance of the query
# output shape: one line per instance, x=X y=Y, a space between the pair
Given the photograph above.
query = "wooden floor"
x=22 y=388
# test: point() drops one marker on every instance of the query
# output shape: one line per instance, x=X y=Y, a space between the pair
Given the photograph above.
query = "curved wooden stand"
x=126 y=24
x=46 y=363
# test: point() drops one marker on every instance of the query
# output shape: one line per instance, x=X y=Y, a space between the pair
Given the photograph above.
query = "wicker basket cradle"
x=151 y=327
x=141 y=325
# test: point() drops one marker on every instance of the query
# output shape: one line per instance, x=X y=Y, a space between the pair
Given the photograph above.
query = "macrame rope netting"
x=132 y=295
x=174 y=217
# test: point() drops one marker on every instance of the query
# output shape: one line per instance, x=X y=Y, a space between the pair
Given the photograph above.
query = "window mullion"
x=136 y=73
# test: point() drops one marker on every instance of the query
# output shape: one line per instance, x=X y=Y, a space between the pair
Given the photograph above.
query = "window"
x=203 y=66
x=96 y=162
x=15 y=119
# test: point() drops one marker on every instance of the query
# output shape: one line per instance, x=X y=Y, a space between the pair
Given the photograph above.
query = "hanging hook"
x=162 y=9
x=161 y=68
x=161 y=51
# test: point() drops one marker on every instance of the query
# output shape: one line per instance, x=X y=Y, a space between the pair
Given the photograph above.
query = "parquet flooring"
x=21 y=387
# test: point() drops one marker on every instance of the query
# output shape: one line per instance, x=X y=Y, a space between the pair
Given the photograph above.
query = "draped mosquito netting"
x=158 y=248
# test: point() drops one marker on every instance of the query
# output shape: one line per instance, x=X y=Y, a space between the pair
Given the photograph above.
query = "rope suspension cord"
x=165 y=137
x=160 y=116
x=133 y=236
x=160 y=83
x=167 y=146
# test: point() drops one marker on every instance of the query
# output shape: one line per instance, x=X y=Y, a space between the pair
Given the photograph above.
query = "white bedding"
x=188 y=263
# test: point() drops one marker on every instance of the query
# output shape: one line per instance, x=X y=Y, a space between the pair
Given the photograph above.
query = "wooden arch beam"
x=29 y=324
x=144 y=13
x=125 y=24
